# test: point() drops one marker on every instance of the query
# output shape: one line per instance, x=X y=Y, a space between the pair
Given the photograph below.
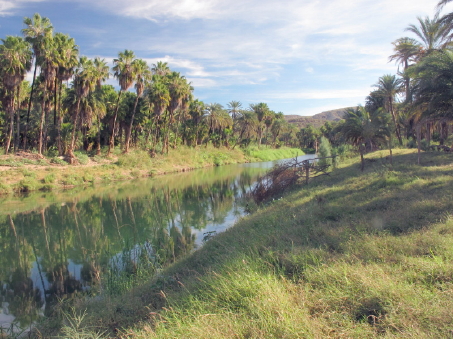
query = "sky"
x=299 y=56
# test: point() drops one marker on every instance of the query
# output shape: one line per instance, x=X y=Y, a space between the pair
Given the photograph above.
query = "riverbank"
x=29 y=172
x=356 y=254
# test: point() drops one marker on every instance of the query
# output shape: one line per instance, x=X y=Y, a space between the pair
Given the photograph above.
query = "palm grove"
x=67 y=107
x=412 y=108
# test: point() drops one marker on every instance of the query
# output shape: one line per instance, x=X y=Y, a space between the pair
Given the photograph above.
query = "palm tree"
x=124 y=72
x=159 y=98
x=37 y=30
x=161 y=68
x=262 y=112
x=101 y=72
x=365 y=129
x=248 y=126
x=142 y=74
x=388 y=86
x=406 y=50
x=84 y=83
x=15 y=61
x=432 y=34
x=49 y=67
x=67 y=60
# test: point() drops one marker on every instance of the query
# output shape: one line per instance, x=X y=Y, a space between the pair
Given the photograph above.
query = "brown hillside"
x=317 y=120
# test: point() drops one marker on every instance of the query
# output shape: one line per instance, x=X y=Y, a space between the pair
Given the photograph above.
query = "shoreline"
x=24 y=175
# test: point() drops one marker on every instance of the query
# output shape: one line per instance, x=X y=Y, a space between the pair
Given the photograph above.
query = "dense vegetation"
x=67 y=107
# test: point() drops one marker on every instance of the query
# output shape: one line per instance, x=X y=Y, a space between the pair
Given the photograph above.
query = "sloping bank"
x=24 y=175
x=354 y=255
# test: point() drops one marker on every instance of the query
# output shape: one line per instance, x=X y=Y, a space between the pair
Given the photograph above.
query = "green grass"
x=353 y=255
x=269 y=154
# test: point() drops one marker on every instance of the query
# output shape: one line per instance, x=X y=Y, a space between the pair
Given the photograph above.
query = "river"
x=98 y=239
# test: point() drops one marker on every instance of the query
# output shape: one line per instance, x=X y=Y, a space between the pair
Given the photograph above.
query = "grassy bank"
x=31 y=173
x=354 y=255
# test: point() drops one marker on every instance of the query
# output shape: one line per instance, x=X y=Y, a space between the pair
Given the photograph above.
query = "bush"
x=82 y=157
x=325 y=150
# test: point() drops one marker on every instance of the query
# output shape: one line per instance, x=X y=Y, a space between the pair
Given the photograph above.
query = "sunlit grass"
x=353 y=255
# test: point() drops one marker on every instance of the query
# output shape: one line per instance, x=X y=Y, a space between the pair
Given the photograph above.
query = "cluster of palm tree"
x=67 y=106
x=414 y=105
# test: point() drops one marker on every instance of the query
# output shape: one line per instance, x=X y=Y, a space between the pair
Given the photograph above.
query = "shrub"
x=325 y=150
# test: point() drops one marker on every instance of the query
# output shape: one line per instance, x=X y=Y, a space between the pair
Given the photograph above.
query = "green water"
x=94 y=239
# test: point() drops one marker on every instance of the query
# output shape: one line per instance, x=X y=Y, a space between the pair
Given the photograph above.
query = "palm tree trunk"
x=10 y=110
x=74 y=129
x=129 y=131
x=17 y=140
x=112 y=136
x=59 y=146
x=397 y=128
x=29 y=103
x=98 y=148
x=41 y=125
x=419 y=132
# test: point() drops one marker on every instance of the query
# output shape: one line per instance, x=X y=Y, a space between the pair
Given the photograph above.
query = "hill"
x=317 y=120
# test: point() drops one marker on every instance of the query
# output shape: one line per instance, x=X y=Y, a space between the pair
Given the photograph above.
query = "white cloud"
x=7 y=7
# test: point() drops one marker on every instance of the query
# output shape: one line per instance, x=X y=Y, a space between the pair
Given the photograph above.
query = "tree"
x=84 y=83
x=432 y=34
x=67 y=59
x=142 y=74
x=406 y=50
x=36 y=31
x=364 y=130
x=388 y=86
x=262 y=112
x=124 y=72
x=15 y=61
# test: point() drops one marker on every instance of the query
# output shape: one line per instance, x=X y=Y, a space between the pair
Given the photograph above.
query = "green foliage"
x=324 y=150
x=82 y=158
x=28 y=184
x=49 y=179
x=58 y=161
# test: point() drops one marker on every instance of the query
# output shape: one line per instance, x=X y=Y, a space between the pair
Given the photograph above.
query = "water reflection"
x=62 y=243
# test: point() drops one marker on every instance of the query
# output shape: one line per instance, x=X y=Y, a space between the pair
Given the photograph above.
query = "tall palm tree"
x=142 y=74
x=49 y=68
x=158 y=96
x=36 y=31
x=248 y=126
x=124 y=72
x=262 y=112
x=101 y=73
x=67 y=59
x=432 y=33
x=388 y=86
x=84 y=82
x=406 y=50
x=15 y=61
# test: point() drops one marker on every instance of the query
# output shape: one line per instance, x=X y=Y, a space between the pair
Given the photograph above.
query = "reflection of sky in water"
x=219 y=217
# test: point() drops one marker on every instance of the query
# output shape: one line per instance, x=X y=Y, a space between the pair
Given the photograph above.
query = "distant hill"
x=317 y=120
x=332 y=115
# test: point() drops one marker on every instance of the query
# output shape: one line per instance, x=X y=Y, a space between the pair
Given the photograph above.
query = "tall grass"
x=353 y=255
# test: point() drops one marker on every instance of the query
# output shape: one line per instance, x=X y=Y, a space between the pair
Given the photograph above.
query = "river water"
x=58 y=244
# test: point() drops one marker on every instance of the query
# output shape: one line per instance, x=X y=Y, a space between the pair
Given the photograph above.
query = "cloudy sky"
x=299 y=56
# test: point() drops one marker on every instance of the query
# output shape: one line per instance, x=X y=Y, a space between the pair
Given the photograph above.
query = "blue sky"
x=299 y=56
